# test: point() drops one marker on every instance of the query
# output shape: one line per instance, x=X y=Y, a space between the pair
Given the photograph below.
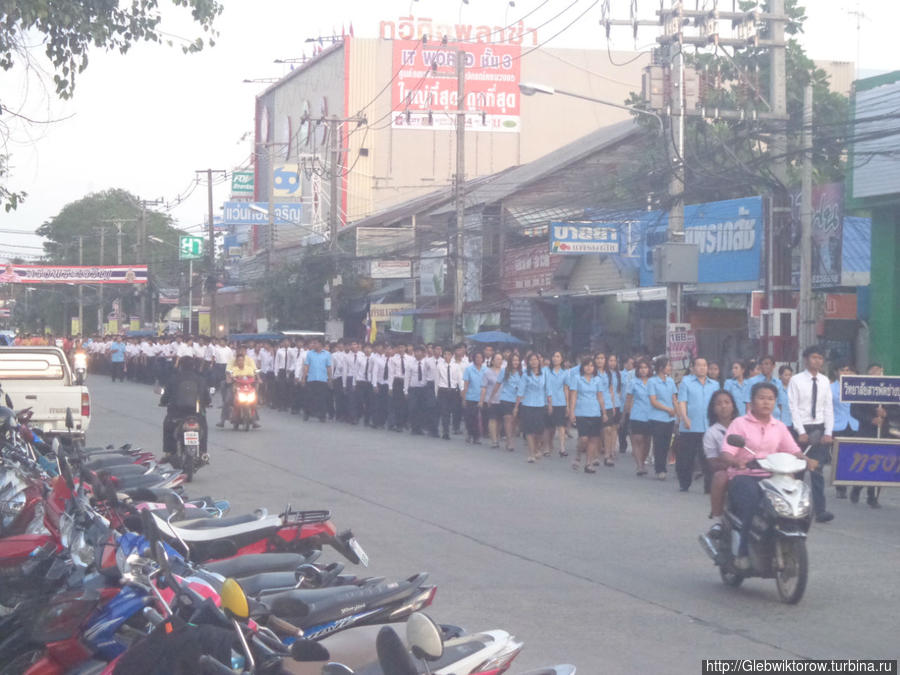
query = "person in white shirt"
x=339 y=363
x=449 y=384
x=397 y=366
x=280 y=398
x=461 y=359
x=266 y=366
x=419 y=390
x=298 y=402
x=362 y=386
x=182 y=350
x=352 y=358
x=290 y=367
x=222 y=356
x=381 y=384
x=812 y=413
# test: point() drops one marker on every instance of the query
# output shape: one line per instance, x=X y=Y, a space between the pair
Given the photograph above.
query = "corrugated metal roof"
x=518 y=177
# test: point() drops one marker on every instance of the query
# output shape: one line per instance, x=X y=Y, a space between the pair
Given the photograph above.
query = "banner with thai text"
x=74 y=274
x=424 y=93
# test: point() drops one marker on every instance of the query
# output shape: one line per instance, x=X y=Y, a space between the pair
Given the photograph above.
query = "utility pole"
x=102 y=231
x=81 y=287
x=459 y=287
x=211 y=253
x=334 y=162
x=807 y=322
x=674 y=312
x=779 y=290
x=141 y=251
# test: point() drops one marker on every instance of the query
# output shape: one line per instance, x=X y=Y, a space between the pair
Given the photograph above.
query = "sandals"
x=546 y=453
x=530 y=460
x=576 y=465
x=589 y=469
x=563 y=453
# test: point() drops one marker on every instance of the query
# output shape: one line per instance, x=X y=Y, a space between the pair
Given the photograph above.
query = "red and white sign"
x=526 y=270
x=74 y=274
x=426 y=83
x=681 y=344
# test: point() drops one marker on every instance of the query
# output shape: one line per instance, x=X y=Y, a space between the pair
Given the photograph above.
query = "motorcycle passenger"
x=242 y=366
x=186 y=393
x=765 y=435
x=720 y=414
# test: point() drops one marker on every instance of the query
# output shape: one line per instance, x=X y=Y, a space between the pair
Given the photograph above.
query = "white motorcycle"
x=777 y=546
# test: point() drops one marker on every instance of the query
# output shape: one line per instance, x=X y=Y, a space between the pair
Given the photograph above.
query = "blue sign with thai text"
x=883 y=389
x=871 y=462
x=729 y=235
x=257 y=213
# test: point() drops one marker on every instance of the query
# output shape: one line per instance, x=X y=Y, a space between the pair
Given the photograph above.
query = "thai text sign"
x=883 y=389
x=681 y=343
x=416 y=28
x=390 y=269
x=240 y=213
x=529 y=269
x=426 y=83
x=74 y=274
x=867 y=461
x=383 y=312
x=827 y=234
x=579 y=238
x=728 y=234
x=242 y=184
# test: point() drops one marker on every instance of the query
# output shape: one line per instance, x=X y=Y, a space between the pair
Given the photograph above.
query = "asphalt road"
x=601 y=571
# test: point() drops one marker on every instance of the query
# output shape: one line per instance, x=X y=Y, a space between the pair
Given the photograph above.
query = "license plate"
x=192 y=438
x=358 y=550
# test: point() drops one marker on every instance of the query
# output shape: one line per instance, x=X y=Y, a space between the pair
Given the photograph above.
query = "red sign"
x=526 y=270
x=840 y=306
x=424 y=94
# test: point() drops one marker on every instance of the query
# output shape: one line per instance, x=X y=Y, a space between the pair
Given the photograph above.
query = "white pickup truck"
x=40 y=378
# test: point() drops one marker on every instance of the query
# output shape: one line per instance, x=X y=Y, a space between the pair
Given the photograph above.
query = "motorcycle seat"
x=104 y=461
x=256 y=563
x=147 y=494
x=307 y=608
x=196 y=523
x=150 y=480
x=215 y=530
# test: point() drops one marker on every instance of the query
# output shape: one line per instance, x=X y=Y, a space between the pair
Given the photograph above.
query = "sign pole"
x=190 y=296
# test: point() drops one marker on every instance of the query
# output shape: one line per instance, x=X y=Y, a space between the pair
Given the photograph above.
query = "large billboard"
x=729 y=235
x=74 y=274
x=528 y=269
x=426 y=83
x=257 y=213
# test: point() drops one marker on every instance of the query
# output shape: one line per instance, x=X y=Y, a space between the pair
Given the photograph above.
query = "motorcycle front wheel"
x=730 y=577
x=791 y=576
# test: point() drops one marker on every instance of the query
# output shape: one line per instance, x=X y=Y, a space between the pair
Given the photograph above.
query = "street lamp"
x=532 y=88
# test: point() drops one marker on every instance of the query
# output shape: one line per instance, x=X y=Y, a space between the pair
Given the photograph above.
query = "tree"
x=67 y=29
x=724 y=159
x=84 y=218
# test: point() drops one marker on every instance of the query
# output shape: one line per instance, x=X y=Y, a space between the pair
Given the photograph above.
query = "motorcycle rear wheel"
x=791 y=578
x=187 y=463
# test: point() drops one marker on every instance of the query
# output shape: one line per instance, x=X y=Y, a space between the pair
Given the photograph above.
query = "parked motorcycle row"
x=107 y=566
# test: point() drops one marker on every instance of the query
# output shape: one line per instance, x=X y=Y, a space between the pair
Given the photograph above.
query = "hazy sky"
x=147 y=120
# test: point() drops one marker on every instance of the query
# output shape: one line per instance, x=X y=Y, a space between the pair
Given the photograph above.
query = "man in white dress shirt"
x=419 y=390
x=381 y=385
x=812 y=412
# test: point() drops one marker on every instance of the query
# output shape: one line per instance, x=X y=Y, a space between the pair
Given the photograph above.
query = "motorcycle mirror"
x=54 y=445
x=736 y=440
x=148 y=525
x=234 y=600
x=392 y=655
x=336 y=669
x=66 y=472
x=174 y=506
x=8 y=401
x=70 y=423
x=162 y=558
x=424 y=637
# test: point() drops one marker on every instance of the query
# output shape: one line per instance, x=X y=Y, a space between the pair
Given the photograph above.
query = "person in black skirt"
x=531 y=405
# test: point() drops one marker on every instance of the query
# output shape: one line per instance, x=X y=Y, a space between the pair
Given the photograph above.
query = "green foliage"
x=70 y=27
x=9 y=200
x=724 y=159
x=293 y=295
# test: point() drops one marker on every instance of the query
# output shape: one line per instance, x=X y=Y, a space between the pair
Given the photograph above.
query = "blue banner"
x=883 y=389
x=240 y=213
x=729 y=235
x=869 y=462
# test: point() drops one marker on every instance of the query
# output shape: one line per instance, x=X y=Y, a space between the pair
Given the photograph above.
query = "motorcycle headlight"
x=66 y=528
x=36 y=526
x=803 y=504
x=82 y=553
x=779 y=505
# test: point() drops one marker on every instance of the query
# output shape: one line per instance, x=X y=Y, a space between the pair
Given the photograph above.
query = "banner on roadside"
x=74 y=274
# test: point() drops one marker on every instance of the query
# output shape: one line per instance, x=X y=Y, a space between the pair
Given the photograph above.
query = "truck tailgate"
x=49 y=403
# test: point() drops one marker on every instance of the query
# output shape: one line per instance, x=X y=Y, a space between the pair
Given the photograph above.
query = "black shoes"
x=824 y=517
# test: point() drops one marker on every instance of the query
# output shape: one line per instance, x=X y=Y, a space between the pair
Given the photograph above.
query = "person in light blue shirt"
x=785 y=373
x=509 y=382
x=627 y=376
x=556 y=377
x=694 y=394
x=767 y=374
x=663 y=400
x=739 y=384
x=117 y=359
x=472 y=377
x=586 y=411
x=317 y=371
x=531 y=404
x=614 y=396
x=844 y=423
x=637 y=408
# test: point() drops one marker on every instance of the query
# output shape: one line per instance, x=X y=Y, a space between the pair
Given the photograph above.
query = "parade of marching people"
x=590 y=410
